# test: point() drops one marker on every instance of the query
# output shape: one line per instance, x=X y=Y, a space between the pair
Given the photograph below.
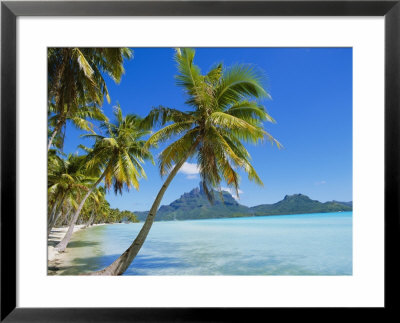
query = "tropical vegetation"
x=77 y=87
x=116 y=158
x=223 y=114
x=76 y=90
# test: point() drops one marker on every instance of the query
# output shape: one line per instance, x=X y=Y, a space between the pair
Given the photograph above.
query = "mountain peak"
x=296 y=196
x=195 y=205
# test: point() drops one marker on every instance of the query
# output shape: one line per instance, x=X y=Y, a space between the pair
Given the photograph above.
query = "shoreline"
x=248 y=216
x=54 y=258
x=58 y=262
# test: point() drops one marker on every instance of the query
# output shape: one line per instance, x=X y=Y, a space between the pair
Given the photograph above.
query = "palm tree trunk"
x=88 y=223
x=64 y=242
x=52 y=223
x=65 y=216
x=51 y=139
x=119 y=266
x=53 y=218
x=53 y=135
x=68 y=221
x=68 y=217
x=57 y=82
x=94 y=219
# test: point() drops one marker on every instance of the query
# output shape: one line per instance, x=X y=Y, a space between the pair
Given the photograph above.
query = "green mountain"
x=298 y=204
x=195 y=205
x=345 y=203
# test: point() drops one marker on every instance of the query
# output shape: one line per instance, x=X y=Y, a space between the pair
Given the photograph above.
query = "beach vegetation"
x=116 y=158
x=224 y=113
x=77 y=86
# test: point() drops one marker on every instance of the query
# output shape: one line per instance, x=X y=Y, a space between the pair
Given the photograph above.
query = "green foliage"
x=117 y=216
x=224 y=115
x=76 y=87
x=66 y=182
x=120 y=153
x=115 y=157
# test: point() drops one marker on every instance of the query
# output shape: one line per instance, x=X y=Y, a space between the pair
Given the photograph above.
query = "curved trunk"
x=64 y=242
x=61 y=217
x=94 y=219
x=90 y=221
x=68 y=218
x=53 y=218
x=52 y=223
x=51 y=139
x=50 y=218
x=119 y=266
x=53 y=135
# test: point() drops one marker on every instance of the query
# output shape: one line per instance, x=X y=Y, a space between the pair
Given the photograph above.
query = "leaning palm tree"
x=75 y=81
x=223 y=114
x=66 y=183
x=95 y=205
x=117 y=159
x=58 y=119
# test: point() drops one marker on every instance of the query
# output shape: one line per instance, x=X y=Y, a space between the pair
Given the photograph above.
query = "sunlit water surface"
x=306 y=244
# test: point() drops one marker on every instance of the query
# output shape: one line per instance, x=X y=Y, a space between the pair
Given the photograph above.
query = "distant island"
x=194 y=205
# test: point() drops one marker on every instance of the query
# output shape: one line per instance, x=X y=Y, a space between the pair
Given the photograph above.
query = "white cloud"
x=191 y=170
x=320 y=183
x=232 y=192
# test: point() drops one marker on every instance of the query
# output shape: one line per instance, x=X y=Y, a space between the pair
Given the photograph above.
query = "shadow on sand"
x=85 y=265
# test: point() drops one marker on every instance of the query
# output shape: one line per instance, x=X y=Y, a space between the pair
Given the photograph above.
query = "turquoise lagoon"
x=306 y=244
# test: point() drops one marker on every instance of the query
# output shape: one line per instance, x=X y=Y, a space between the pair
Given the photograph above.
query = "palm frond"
x=240 y=82
x=82 y=124
x=250 y=111
x=189 y=75
x=228 y=121
x=166 y=132
x=83 y=63
x=162 y=115
x=176 y=151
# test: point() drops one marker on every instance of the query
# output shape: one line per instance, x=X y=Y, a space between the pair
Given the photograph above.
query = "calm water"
x=307 y=244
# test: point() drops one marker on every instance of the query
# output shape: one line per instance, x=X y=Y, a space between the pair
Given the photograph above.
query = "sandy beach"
x=55 y=258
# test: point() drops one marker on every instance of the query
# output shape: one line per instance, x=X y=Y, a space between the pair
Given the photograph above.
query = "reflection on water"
x=312 y=244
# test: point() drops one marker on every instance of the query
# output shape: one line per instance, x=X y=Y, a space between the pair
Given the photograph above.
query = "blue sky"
x=311 y=91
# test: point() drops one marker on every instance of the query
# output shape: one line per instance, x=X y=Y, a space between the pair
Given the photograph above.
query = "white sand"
x=55 y=237
x=54 y=257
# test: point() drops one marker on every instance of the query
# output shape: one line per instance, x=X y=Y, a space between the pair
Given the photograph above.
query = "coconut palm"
x=66 y=184
x=64 y=217
x=78 y=117
x=223 y=114
x=117 y=157
x=103 y=213
x=75 y=81
x=96 y=204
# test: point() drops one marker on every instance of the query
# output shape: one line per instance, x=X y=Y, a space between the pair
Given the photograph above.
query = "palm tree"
x=117 y=157
x=78 y=117
x=223 y=114
x=66 y=183
x=95 y=205
x=75 y=81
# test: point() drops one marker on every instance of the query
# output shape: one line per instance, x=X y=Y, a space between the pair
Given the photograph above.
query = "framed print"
x=139 y=130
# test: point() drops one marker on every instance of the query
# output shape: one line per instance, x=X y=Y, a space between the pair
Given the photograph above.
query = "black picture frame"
x=10 y=10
